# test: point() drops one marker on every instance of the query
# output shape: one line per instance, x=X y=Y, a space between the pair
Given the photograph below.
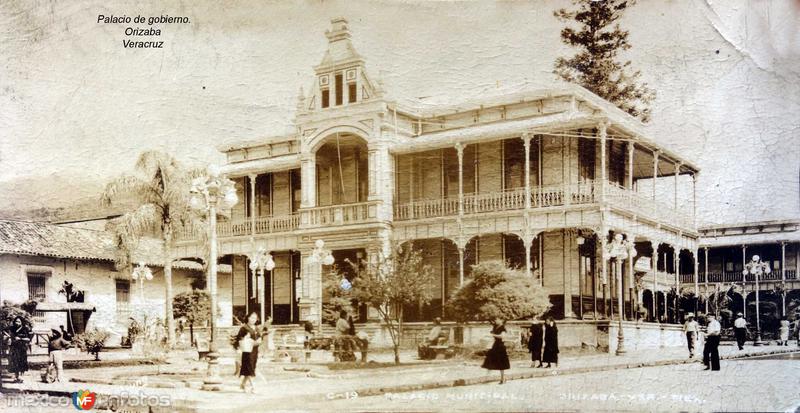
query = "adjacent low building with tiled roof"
x=36 y=258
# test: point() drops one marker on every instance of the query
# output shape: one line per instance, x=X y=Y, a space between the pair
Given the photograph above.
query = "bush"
x=497 y=291
x=91 y=341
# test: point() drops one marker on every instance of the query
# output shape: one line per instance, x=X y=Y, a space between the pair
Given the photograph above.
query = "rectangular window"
x=123 y=293
x=351 y=93
x=728 y=266
x=326 y=98
x=37 y=291
x=338 y=84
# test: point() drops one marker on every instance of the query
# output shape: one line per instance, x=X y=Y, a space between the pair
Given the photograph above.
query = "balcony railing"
x=339 y=214
x=241 y=226
x=736 y=276
x=541 y=197
x=643 y=205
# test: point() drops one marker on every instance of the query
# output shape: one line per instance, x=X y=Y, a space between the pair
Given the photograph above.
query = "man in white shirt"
x=740 y=329
x=711 y=348
x=690 y=328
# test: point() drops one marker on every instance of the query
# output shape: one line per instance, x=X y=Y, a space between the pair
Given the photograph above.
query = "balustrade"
x=737 y=277
x=339 y=214
x=241 y=226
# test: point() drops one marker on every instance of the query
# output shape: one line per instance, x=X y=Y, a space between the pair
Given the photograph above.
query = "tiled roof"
x=48 y=240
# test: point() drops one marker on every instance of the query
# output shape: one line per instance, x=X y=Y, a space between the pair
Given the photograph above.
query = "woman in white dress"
x=784 y=332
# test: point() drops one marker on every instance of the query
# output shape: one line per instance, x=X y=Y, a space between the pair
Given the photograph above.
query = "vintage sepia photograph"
x=400 y=206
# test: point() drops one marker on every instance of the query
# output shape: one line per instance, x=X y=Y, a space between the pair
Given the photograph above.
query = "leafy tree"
x=599 y=39
x=336 y=297
x=497 y=291
x=389 y=282
x=195 y=306
x=160 y=185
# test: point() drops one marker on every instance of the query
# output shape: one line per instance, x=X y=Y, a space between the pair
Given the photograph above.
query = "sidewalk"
x=279 y=388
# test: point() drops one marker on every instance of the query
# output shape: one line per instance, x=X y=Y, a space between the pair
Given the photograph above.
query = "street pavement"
x=282 y=386
x=758 y=384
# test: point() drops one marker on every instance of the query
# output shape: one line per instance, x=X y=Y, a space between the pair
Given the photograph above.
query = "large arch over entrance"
x=342 y=169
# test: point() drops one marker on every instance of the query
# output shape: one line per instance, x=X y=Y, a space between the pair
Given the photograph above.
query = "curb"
x=377 y=391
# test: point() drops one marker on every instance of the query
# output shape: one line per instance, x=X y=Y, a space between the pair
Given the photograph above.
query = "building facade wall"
x=99 y=281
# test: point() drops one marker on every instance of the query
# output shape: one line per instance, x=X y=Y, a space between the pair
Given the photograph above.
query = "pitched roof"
x=48 y=240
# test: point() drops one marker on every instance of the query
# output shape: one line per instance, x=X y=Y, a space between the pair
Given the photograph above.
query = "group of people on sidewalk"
x=347 y=340
x=541 y=340
x=18 y=339
x=710 y=338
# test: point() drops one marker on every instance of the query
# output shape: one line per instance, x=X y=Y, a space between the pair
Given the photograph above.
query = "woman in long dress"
x=249 y=339
x=535 y=343
x=497 y=356
x=18 y=353
x=784 y=331
x=550 y=353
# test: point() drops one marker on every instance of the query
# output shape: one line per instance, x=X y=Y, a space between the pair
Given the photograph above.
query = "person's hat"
x=689 y=315
x=739 y=314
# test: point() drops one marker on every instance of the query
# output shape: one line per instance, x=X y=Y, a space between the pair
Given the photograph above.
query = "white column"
x=526 y=140
x=460 y=265
x=694 y=198
x=677 y=260
x=705 y=270
x=308 y=182
x=528 y=242
x=629 y=183
x=603 y=238
x=677 y=172
x=655 y=280
x=460 y=153
x=603 y=172
x=252 y=207
x=783 y=277
x=567 y=279
x=655 y=175
x=631 y=277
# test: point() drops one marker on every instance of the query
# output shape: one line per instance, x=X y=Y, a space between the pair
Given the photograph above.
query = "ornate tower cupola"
x=340 y=78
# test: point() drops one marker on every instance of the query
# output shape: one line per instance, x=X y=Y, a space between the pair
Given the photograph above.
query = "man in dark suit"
x=711 y=348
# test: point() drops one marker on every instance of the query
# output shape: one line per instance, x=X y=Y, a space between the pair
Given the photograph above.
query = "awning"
x=280 y=163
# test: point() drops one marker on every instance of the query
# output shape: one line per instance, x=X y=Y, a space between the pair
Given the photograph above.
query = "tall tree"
x=599 y=40
x=390 y=282
x=160 y=186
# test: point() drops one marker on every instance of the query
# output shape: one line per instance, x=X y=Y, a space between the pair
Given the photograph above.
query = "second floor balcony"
x=738 y=277
x=583 y=193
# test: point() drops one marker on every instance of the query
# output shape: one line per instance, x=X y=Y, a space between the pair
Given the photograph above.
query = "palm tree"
x=160 y=187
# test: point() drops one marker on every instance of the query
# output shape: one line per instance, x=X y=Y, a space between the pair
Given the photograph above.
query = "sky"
x=76 y=107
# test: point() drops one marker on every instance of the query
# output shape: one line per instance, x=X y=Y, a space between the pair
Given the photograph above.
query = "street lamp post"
x=260 y=261
x=756 y=267
x=619 y=249
x=140 y=274
x=320 y=255
x=211 y=194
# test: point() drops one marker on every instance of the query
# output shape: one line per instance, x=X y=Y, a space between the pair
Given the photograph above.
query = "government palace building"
x=542 y=179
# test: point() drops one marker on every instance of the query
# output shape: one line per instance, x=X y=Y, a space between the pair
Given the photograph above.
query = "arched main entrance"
x=342 y=170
